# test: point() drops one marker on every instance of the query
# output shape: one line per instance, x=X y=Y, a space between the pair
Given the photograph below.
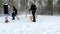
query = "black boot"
x=6 y=21
x=13 y=18
x=34 y=20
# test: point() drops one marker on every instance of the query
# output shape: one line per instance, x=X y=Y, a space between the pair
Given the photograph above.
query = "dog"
x=31 y=17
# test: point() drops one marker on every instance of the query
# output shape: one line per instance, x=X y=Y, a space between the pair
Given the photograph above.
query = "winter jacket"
x=14 y=9
x=6 y=9
x=33 y=7
x=15 y=12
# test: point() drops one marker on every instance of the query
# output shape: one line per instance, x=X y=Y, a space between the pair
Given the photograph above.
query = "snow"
x=43 y=25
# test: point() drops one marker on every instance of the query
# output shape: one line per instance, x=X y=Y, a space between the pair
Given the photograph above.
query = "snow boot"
x=13 y=18
x=33 y=20
x=6 y=21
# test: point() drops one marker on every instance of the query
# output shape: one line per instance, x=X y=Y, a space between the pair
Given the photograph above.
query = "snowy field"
x=43 y=25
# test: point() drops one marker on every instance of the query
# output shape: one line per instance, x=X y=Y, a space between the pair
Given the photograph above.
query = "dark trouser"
x=33 y=13
x=13 y=17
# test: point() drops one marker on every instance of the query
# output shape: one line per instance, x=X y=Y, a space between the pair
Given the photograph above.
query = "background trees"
x=44 y=7
x=0 y=6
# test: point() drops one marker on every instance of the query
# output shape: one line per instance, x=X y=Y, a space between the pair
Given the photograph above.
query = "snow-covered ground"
x=43 y=25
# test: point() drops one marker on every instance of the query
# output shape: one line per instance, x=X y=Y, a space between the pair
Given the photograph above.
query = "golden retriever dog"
x=31 y=17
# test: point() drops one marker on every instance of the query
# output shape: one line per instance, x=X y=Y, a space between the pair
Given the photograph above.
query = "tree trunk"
x=0 y=6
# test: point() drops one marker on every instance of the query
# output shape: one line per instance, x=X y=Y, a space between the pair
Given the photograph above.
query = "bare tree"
x=58 y=6
x=0 y=6
x=49 y=7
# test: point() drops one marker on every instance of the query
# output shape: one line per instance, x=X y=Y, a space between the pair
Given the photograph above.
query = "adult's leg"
x=33 y=13
x=6 y=18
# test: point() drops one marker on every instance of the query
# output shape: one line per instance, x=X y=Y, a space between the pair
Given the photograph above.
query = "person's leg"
x=33 y=13
x=6 y=18
x=34 y=17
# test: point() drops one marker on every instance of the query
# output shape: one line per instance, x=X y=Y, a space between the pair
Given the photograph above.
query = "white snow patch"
x=43 y=25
